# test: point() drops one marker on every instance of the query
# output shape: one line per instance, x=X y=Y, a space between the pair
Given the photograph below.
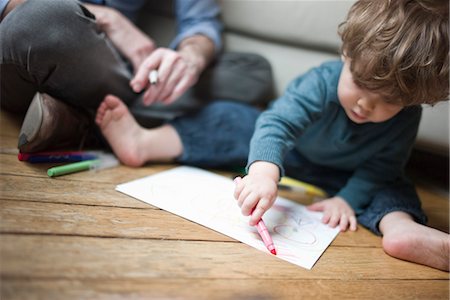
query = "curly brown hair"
x=399 y=48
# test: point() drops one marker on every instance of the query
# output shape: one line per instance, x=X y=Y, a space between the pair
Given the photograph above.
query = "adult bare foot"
x=121 y=130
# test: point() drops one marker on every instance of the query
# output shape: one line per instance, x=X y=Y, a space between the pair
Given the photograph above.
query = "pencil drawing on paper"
x=297 y=227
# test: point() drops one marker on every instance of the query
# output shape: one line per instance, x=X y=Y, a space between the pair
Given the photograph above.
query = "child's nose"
x=365 y=104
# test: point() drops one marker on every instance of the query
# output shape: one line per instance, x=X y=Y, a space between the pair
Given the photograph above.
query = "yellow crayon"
x=297 y=185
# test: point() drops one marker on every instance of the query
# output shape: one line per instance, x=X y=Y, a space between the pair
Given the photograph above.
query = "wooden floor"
x=75 y=237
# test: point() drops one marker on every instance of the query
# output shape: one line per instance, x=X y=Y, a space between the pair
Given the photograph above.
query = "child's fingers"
x=245 y=193
x=249 y=204
x=238 y=188
x=326 y=217
x=241 y=199
x=318 y=206
x=343 y=223
x=262 y=207
x=353 y=223
x=334 y=220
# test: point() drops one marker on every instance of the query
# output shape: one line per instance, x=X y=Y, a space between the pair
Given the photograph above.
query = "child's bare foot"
x=133 y=144
x=121 y=130
x=405 y=239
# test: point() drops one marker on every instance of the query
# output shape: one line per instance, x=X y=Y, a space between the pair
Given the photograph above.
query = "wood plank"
x=75 y=237
x=88 y=193
x=10 y=124
x=65 y=191
x=36 y=256
x=65 y=219
x=436 y=207
x=203 y=288
x=85 y=220
x=10 y=165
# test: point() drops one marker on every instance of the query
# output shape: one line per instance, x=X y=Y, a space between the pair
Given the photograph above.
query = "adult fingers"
x=151 y=94
x=176 y=75
x=152 y=62
x=169 y=72
x=169 y=60
x=178 y=90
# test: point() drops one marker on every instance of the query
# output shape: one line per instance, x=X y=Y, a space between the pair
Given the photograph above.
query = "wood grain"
x=42 y=256
x=203 y=288
x=75 y=237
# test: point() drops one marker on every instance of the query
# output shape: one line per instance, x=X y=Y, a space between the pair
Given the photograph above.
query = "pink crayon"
x=267 y=239
x=262 y=229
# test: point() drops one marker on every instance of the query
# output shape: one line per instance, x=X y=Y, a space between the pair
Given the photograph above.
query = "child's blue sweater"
x=309 y=118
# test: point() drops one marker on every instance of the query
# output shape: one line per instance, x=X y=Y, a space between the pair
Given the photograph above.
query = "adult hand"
x=336 y=211
x=9 y=7
x=176 y=74
x=177 y=70
x=135 y=45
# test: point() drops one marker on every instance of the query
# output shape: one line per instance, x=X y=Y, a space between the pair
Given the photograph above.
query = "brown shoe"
x=50 y=124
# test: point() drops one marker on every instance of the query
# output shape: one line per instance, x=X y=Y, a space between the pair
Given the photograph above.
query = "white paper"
x=207 y=199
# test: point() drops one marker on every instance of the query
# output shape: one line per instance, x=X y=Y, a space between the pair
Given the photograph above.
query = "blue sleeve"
x=128 y=8
x=198 y=17
x=98 y=2
x=3 y=4
x=279 y=127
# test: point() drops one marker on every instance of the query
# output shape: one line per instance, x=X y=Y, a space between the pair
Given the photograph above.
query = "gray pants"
x=56 y=47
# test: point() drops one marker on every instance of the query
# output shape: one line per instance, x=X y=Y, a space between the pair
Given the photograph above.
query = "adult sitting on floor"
x=59 y=59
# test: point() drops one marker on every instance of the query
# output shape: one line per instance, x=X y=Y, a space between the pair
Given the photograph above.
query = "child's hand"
x=255 y=195
x=336 y=211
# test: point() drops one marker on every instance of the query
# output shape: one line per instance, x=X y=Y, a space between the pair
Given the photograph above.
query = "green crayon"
x=72 y=168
